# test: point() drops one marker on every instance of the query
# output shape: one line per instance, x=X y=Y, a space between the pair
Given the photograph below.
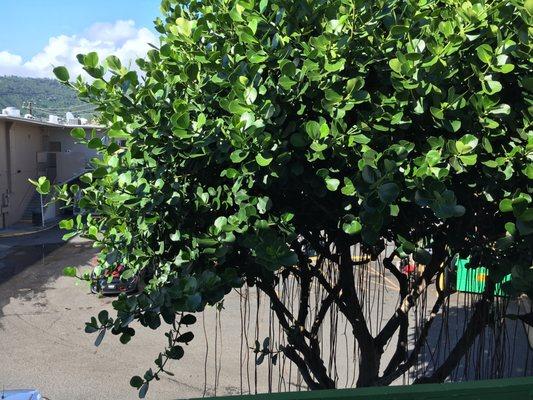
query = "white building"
x=30 y=148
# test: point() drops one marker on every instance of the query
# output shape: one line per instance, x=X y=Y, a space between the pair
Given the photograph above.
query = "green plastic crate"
x=472 y=280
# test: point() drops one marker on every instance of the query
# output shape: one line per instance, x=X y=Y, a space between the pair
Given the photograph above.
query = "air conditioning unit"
x=11 y=112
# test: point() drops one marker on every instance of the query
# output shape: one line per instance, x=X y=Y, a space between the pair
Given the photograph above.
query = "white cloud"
x=9 y=60
x=121 y=38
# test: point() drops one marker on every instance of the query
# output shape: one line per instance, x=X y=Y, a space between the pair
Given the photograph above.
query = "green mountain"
x=47 y=96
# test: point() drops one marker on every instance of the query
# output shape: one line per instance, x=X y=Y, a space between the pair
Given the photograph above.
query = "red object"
x=117 y=272
x=409 y=268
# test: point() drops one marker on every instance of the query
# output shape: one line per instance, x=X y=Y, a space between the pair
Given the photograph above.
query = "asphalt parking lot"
x=43 y=344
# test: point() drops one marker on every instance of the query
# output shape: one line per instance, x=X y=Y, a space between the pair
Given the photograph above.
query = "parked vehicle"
x=111 y=283
x=28 y=394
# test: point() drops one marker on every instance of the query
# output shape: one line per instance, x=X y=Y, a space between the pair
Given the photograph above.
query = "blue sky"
x=28 y=26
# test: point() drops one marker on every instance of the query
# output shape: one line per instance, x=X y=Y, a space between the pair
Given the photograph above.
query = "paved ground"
x=42 y=315
x=43 y=346
x=42 y=343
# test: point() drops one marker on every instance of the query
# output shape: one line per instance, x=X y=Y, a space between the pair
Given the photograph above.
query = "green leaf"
x=352 y=228
x=433 y=157
x=182 y=27
x=66 y=224
x=185 y=337
x=333 y=96
x=396 y=65
x=287 y=217
x=238 y=156
x=42 y=185
x=528 y=6
x=90 y=60
x=103 y=317
x=250 y=94
x=399 y=30
x=263 y=5
x=70 y=271
x=437 y=112
x=336 y=66
x=332 y=184
x=62 y=74
x=136 y=382
x=220 y=223
x=354 y=84
x=422 y=256
x=263 y=161
x=527 y=215
x=94 y=143
x=528 y=171
x=286 y=82
x=257 y=56
x=348 y=188
x=519 y=205
x=466 y=144
x=288 y=68
x=143 y=390
x=298 y=140
x=236 y=12
x=324 y=130
x=78 y=133
x=99 y=338
x=506 y=205
x=313 y=130
x=113 y=62
x=469 y=159
x=484 y=53
x=491 y=87
x=188 y=319
x=501 y=109
x=452 y=126
x=388 y=192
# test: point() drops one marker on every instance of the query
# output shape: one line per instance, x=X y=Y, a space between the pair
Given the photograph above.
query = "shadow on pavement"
x=502 y=349
x=28 y=263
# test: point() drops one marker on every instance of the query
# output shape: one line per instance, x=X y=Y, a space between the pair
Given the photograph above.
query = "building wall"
x=73 y=158
x=3 y=176
x=20 y=149
x=26 y=141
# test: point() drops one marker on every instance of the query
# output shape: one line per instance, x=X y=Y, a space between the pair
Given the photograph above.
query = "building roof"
x=46 y=123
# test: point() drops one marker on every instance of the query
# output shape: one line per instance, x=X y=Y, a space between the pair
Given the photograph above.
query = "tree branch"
x=296 y=335
x=324 y=307
x=302 y=367
x=391 y=373
x=305 y=284
x=475 y=326
x=400 y=277
x=409 y=301
x=279 y=308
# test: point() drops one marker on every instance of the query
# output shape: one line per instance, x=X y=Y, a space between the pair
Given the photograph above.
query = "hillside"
x=46 y=95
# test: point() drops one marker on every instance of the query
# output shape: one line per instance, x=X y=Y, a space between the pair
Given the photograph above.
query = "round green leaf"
x=62 y=74
x=388 y=192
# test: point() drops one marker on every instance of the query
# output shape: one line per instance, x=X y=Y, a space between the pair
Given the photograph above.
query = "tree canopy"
x=256 y=130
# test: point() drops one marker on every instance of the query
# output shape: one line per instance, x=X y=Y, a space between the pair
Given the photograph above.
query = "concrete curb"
x=26 y=233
